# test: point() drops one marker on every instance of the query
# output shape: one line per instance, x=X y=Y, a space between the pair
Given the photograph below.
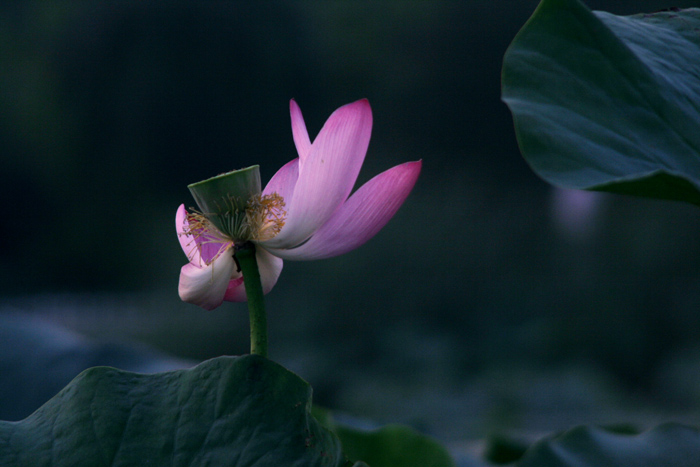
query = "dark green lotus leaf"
x=605 y=102
x=669 y=445
x=388 y=446
x=393 y=445
x=229 y=411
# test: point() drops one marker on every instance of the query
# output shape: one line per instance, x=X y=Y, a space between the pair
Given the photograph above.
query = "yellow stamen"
x=265 y=216
x=202 y=231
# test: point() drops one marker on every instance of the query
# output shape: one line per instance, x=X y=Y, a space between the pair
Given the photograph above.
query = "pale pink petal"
x=199 y=249
x=206 y=286
x=361 y=217
x=284 y=180
x=328 y=174
x=270 y=268
x=299 y=133
x=187 y=242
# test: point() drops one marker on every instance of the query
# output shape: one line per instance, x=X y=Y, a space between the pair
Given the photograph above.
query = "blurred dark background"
x=491 y=301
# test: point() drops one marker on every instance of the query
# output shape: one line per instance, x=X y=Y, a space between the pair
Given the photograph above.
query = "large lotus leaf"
x=607 y=102
x=393 y=445
x=670 y=445
x=387 y=446
x=229 y=411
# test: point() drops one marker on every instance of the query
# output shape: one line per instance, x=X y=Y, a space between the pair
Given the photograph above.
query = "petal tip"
x=360 y=105
x=357 y=115
x=417 y=164
x=413 y=168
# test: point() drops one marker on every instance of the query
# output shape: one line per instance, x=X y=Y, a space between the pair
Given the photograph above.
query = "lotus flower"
x=303 y=213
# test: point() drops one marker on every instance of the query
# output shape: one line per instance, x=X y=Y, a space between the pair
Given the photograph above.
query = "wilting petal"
x=299 y=133
x=270 y=268
x=361 y=217
x=328 y=174
x=206 y=286
x=284 y=180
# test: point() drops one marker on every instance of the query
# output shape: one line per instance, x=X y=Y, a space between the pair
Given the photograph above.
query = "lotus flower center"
x=262 y=219
x=265 y=216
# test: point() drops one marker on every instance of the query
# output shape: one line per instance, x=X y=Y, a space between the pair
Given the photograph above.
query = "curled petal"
x=361 y=217
x=328 y=174
x=270 y=268
x=206 y=286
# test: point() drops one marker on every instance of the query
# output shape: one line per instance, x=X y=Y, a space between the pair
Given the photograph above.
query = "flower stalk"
x=245 y=258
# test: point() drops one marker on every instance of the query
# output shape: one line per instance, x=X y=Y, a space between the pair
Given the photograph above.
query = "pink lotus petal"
x=284 y=180
x=207 y=285
x=361 y=217
x=328 y=174
x=200 y=249
x=187 y=242
x=299 y=133
x=270 y=268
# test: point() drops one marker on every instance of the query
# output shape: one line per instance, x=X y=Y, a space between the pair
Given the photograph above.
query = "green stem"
x=245 y=255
